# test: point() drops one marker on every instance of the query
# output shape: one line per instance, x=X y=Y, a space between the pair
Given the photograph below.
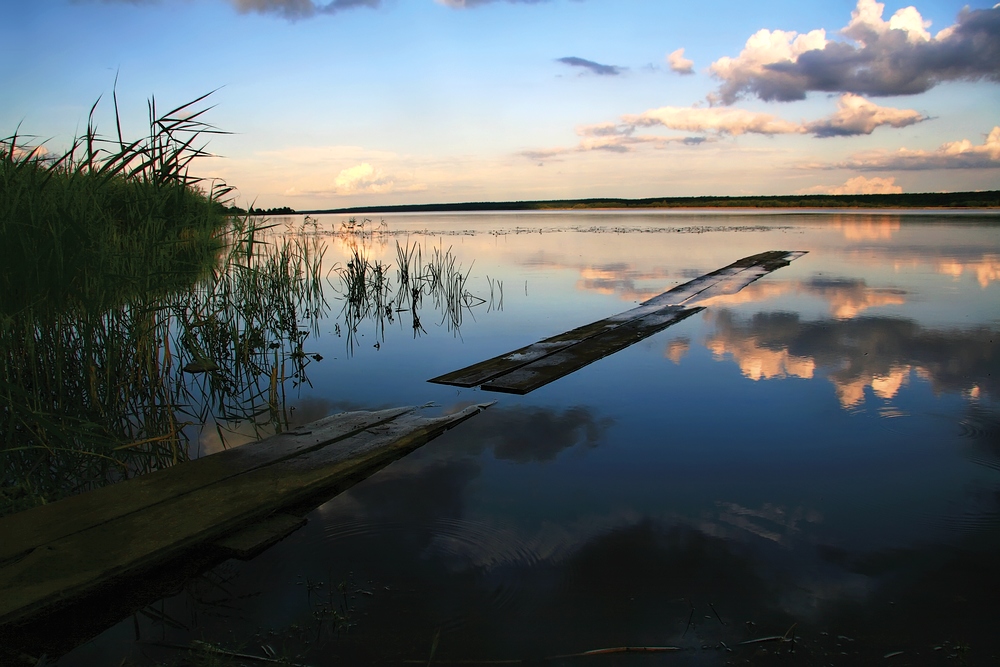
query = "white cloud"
x=362 y=178
x=714 y=119
x=867 y=25
x=859 y=185
x=856 y=115
x=894 y=57
x=951 y=155
x=678 y=63
x=762 y=50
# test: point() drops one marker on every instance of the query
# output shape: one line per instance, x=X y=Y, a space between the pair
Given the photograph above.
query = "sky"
x=338 y=103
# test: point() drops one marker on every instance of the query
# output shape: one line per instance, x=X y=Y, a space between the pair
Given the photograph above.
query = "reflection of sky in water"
x=825 y=438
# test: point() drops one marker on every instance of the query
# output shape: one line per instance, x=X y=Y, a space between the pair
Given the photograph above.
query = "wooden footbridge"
x=236 y=501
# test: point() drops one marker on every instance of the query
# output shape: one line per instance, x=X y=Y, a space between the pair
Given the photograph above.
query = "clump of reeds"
x=103 y=207
x=365 y=287
x=133 y=308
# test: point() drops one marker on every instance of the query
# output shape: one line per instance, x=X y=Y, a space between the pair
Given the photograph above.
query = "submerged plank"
x=247 y=543
x=77 y=564
x=26 y=530
x=550 y=368
x=721 y=281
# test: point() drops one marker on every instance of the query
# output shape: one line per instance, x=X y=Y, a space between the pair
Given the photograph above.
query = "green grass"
x=118 y=271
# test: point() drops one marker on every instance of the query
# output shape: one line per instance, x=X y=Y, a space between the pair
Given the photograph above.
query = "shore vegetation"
x=135 y=309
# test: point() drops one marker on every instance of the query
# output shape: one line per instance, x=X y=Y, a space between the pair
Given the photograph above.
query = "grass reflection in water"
x=134 y=305
x=369 y=292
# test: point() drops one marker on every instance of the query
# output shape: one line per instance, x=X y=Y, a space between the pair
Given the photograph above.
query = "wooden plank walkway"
x=535 y=365
x=234 y=500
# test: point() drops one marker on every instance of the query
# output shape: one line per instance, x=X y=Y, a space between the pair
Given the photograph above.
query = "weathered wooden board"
x=727 y=280
x=26 y=530
x=247 y=543
x=554 y=366
x=73 y=565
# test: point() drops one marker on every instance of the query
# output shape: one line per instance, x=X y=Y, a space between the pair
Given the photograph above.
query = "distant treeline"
x=281 y=210
x=988 y=199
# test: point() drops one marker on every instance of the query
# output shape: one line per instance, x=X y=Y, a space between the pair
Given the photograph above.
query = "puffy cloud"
x=856 y=115
x=678 y=63
x=859 y=185
x=362 y=178
x=596 y=68
x=894 y=57
x=714 y=119
x=951 y=155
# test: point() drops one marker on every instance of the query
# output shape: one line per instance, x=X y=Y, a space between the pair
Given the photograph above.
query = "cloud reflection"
x=524 y=434
x=986 y=270
x=879 y=353
x=855 y=227
x=847 y=298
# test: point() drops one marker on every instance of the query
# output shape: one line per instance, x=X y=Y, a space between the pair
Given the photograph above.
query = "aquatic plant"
x=134 y=310
x=365 y=288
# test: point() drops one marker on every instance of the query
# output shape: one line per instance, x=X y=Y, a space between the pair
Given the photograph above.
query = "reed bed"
x=135 y=310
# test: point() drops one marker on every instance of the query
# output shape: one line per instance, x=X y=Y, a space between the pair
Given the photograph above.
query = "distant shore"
x=946 y=200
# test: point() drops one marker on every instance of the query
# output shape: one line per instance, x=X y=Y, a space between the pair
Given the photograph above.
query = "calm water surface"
x=816 y=456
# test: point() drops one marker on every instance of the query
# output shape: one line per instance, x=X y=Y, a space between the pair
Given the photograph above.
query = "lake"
x=807 y=469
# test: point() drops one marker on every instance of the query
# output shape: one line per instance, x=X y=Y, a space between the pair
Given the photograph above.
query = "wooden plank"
x=685 y=294
x=548 y=369
x=26 y=530
x=72 y=566
x=251 y=541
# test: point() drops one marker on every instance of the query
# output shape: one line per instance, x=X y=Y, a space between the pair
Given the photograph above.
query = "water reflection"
x=643 y=501
x=524 y=434
x=986 y=270
x=845 y=297
x=866 y=226
x=855 y=354
x=112 y=375
x=369 y=294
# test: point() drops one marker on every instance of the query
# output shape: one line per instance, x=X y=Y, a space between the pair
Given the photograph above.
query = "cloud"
x=362 y=178
x=894 y=57
x=596 y=68
x=617 y=139
x=951 y=155
x=300 y=9
x=678 y=63
x=859 y=185
x=714 y=119
x=856 y=115
x=466 y=4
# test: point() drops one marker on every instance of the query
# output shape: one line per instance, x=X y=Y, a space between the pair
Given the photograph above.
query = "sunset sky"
x=335 y=103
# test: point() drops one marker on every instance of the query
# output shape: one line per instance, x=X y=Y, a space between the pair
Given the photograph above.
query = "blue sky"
x=363 y=102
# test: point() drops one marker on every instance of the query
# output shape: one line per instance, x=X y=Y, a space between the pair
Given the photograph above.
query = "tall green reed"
x=134 y=310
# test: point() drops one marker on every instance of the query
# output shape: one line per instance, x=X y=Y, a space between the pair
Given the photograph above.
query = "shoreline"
x=962 y=201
